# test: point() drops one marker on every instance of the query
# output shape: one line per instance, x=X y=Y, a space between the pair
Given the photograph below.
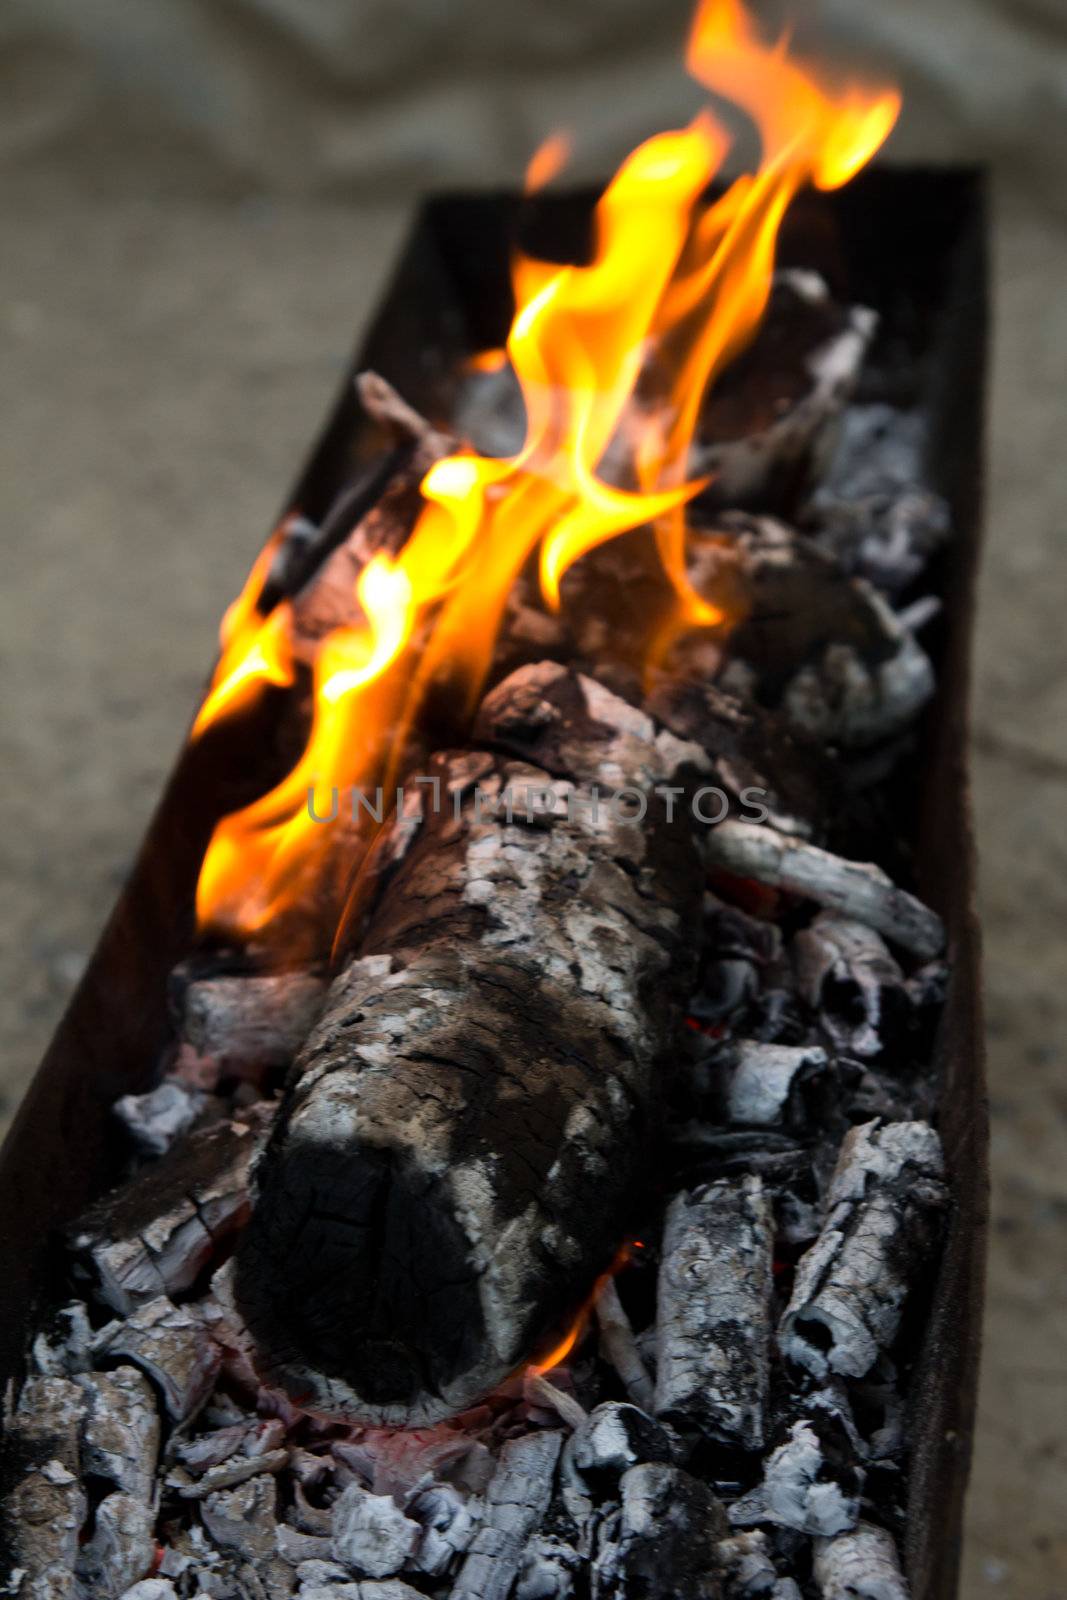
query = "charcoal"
x=515 y=1503
x=881 y=1226
x=67 y=1348
x=713 y=1329
x=121 y=1549
x=121 y=1436
x=846 y=972
x=614 y=1438
x=749 y=1572
x=157 y=1233
x=766 y=1081
x=871 y=510
x=805 y=1485
x=44 y=1515
x=549 y=1569
x=768 y=425
x=157 y=1119
x=242 y=1521
x=235 y=1470
x=856 y=888
x=448 y=1525
x=660 y=1544
x=152 y=1589
x=171 y=1345
x=249 y=1025
x=618 y=1346
x=372 y=1537
x=859 y=1565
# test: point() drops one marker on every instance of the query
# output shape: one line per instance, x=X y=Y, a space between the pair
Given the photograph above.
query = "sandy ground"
x=163 y=370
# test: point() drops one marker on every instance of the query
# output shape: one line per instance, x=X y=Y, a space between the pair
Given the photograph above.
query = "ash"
x=730 y=1421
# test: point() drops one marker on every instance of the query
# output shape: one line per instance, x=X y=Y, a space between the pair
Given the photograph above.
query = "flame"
x=547 y=162
x=618 y=352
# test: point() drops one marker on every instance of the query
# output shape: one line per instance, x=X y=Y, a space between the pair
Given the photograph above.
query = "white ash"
x=766 y=1077
x=846 y=972
x=121 y=1549
x=152 y=1589
x=156 y=1119
x=882 y=1221
x=800 y=1490
x=857 y=888
x=515 y=1503
x=67 y=1350
x=749 y=1572
x=172 y=1346
x=372 y=1537
x=860 y=1565
x=121 y=1433
x=45 y=1513
x=713 y=1329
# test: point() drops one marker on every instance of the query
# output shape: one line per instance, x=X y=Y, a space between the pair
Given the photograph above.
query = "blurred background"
x=201 y=200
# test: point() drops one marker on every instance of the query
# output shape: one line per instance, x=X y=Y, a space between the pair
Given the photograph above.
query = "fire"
x=547 y=162
x=620 y=350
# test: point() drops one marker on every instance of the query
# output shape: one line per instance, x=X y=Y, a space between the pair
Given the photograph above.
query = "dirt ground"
x=163 y=369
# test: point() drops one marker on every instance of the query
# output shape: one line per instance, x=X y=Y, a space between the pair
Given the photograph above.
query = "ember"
x=368 y=1313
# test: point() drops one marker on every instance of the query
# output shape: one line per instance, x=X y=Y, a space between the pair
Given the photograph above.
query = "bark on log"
x=453 y=1161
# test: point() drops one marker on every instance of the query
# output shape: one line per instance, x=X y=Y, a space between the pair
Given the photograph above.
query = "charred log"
x=467 y=1120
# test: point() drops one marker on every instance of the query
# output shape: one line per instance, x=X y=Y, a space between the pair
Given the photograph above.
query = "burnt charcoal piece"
x=845 y=972
x=466 y=1123
x=872 y=510
x=856 y=888
x=515 y=1503
x=660 y=1544
x=823 y=649
x=749 y=1571
x=155 y=1234
x=767 y=1082
x=248 y=1025
x=767 y=424
x=881 y=1226
x=713 y=1329
x=812 y=1481
x=172 y=1347
x=121 y=1548
x=861 y=1565
x=121 y=1435
x=46 y=1508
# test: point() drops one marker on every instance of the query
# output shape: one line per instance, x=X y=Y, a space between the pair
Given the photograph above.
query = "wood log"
x=454 y=1158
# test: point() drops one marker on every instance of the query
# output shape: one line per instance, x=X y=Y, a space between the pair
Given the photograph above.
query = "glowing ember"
x=622 y=349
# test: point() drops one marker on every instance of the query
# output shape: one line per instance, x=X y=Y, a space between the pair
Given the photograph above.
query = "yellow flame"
x=622 y=349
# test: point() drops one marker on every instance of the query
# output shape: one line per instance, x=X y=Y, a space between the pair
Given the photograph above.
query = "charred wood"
x=881 y=1226
x=660 y=1544
x=515 y=1503
x=466 y=1121
x=856 y=888
x=860 y=1565
x=713 y=1330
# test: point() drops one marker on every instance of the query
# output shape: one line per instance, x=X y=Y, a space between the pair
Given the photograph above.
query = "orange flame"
x=675 y=289
x=547 y=162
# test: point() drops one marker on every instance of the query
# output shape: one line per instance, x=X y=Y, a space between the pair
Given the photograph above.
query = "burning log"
x=882 y=1221
x=466 y=1121
x=713 y=1330
x=857 y=888
x=860 y=1565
